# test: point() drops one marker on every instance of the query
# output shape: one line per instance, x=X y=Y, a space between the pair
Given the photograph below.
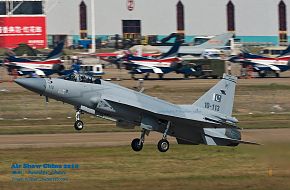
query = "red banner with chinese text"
x=30 y=30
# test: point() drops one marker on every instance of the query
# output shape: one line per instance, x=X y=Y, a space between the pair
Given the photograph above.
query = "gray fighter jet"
x=206 y=121
x=217 y=42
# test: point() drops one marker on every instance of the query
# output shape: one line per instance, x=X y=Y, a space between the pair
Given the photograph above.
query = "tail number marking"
x=210 y=106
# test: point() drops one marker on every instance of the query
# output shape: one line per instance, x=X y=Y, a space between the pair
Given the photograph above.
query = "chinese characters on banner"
x=31 y=30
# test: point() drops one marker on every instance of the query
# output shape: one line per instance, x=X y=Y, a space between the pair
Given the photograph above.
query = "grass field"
x=258 y=104
x=183 y=167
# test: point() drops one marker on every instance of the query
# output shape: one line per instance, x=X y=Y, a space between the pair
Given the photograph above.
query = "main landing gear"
x=137 y=144
x=163 y=144
x=79 y=125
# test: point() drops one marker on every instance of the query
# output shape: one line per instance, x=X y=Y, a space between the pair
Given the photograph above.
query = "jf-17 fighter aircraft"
x=206 y=121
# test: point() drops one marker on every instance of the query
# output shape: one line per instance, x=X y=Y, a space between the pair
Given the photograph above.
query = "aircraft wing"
x=21 y=69
x=187 y=129
x=36 y=71
x=166 y=114
x=141 y=66
x=157 y=70
x=259 y=65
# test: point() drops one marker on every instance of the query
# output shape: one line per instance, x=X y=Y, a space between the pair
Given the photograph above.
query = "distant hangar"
x=255 y=20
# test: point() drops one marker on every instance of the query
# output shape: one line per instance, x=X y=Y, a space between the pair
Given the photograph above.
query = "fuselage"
x=265 y=63
x=26 y=67
x=47 y=64
x=150 y=65
x=107 y=99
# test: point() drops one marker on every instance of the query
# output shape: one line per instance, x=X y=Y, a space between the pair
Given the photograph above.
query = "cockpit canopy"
x=81 y=78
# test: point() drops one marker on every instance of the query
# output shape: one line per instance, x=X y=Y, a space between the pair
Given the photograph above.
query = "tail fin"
x=167 y=38
x=219 y=98
x=173 y=51
x=216 y=42
x=56 y=52
x=285 y=52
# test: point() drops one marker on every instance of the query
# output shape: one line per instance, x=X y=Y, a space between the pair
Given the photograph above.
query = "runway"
x=74 y=139
x=262 y=136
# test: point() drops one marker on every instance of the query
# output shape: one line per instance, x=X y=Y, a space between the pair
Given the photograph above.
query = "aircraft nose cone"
x=37 y=85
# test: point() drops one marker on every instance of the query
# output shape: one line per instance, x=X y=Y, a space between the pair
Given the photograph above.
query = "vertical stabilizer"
x=56 y=52
x=173 y=51
x=216 y=42
x=285 y=52
x=219 y=98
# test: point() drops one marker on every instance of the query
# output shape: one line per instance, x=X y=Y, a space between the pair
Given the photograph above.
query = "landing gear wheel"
x=262 y=74
x=161 y=76
x=163 y=145
x=133 y=76
x=146 y=76
x=137 y=145
x=79 y=125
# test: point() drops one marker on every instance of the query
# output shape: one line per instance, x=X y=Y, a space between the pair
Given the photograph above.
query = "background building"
x=255 y=20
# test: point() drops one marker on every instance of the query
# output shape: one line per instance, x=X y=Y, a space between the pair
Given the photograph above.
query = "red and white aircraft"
x=166 y=63
x=50 y=65
x=261 y=64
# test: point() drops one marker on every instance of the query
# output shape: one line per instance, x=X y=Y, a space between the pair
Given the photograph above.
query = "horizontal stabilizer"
x=181 y=141
x=248 y=142
x=223 y=137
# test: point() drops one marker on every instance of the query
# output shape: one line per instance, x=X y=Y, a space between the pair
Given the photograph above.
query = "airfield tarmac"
x=262 y=136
